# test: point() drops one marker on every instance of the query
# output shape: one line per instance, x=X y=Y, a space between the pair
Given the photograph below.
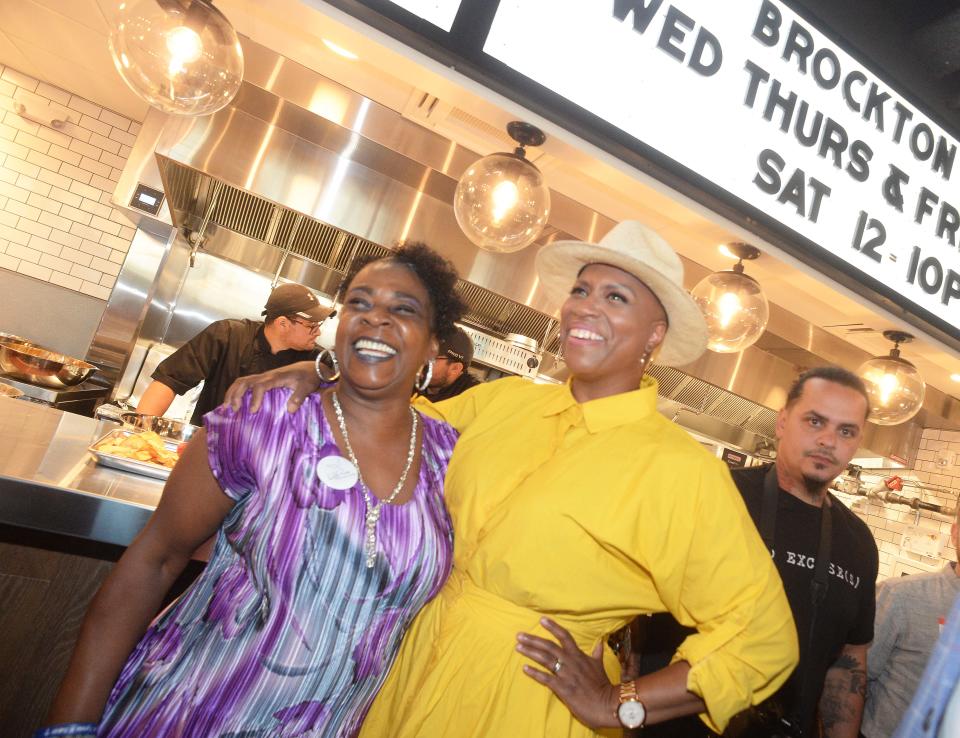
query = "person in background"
x=450 y=376
x=935 y=709
x=331 y=533
x=911 y=612
x=818 y=431
x=577 y=507
x=228 y=349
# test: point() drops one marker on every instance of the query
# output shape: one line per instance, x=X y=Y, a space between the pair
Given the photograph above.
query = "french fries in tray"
x=140 y=452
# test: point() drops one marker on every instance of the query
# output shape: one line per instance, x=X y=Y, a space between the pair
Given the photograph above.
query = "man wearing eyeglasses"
x=450 y=376
x=228 y=349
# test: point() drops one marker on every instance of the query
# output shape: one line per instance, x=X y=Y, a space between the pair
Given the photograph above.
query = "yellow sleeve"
x=459 y=411
x=726 y=585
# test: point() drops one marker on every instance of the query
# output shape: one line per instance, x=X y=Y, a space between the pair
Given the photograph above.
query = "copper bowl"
x=39 y=366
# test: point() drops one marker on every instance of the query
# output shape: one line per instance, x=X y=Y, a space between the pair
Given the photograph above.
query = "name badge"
x=337 y=472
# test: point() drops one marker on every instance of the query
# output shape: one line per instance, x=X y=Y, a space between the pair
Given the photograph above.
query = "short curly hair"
x=437 y=275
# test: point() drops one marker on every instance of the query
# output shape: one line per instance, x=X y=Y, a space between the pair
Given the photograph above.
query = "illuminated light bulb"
x=504 y=196
x=728 y=306
x=888 y=385
x=184 y=45
x=894 y=385
x=181 y=57
x=502 y=201
x=733 y=304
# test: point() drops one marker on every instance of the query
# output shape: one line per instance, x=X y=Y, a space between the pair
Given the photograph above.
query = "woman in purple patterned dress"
x=331 y=533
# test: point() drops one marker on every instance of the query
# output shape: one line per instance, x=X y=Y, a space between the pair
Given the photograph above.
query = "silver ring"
x=557 y=666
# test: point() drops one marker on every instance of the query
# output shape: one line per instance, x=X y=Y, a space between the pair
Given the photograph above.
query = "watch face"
x=632 y=714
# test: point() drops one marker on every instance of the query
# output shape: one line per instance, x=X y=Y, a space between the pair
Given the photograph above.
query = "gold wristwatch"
x=632 y=713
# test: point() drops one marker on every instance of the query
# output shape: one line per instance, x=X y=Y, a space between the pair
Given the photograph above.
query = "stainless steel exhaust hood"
x=299 y=175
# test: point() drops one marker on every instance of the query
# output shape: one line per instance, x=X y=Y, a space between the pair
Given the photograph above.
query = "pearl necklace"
x=374 y=506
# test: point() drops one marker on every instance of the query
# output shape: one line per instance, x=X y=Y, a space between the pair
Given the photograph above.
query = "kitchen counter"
x=50 y=482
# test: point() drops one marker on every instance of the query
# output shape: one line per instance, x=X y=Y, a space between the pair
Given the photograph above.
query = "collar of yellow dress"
x=607 y=412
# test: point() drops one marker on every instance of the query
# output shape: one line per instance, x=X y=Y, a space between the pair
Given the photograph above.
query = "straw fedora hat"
x=639 y=251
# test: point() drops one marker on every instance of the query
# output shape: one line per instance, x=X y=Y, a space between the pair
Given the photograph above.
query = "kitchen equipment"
x=81 y=399
x=516 y=354
x=175 y=430
x=14 y=338
x=123 y=463
x=39 y=366
x=10 y=391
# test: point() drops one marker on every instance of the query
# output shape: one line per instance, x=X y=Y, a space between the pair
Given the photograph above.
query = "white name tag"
x=337 y=472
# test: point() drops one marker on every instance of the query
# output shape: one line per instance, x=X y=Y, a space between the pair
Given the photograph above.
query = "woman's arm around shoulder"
x=461 y=410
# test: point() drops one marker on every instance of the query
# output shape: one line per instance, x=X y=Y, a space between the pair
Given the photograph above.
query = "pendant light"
x=181 y=56
x=502 y=202
x=894 y=385
x=733 y=303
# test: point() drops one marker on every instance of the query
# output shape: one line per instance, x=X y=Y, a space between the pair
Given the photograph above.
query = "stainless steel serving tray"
x=144 y=468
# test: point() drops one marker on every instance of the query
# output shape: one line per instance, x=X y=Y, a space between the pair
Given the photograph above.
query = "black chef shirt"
x=846 y=614
x=218 y=355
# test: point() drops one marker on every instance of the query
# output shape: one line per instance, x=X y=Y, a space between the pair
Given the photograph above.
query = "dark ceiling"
x=914 y=43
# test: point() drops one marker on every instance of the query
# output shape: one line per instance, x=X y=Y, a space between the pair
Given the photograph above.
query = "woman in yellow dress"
x=577 y=508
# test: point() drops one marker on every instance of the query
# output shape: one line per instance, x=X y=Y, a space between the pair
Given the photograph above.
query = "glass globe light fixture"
x=181 y=56
x=502 y=202
x=894 y=385
x=733 y=304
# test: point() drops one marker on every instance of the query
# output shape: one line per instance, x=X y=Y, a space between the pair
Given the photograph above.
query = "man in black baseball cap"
x=228 y=349
x=450 y=375
x=295 y=300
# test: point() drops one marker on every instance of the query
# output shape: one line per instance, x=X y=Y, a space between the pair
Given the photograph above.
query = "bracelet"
x=67 y=729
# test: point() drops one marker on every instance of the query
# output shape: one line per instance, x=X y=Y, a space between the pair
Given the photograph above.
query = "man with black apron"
x=826 y=557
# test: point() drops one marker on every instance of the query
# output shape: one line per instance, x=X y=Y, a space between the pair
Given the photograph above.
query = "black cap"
x=295 y=299
x=458 y=347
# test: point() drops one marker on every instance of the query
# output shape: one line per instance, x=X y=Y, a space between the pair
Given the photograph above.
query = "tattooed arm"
x=844 y=689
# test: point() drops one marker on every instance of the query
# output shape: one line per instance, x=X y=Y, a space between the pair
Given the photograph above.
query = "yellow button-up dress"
x=589 y=513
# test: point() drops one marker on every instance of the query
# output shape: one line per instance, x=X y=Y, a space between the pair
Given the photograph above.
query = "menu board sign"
x=754 y=99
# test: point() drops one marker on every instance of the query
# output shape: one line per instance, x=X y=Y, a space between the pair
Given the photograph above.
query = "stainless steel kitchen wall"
x=237 y=180
x=356 y=165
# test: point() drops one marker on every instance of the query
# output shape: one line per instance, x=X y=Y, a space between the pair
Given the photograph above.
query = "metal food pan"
x=144 y=468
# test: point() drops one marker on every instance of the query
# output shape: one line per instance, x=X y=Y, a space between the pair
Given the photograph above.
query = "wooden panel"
x=46 y=585
x=39 y=625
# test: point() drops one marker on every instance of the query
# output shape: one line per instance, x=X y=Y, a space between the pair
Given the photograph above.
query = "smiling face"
x=819 y=432
x=608 y=324
x=384 y=335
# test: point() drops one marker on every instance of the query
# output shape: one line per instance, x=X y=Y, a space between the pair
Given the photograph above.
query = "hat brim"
x=318 y=313
x=559 y=263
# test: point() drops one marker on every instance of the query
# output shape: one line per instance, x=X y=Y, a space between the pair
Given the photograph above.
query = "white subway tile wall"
x=938 y=469
x=57 y=223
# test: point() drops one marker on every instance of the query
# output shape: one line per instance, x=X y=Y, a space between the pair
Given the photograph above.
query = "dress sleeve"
x=460 y=411
x=193 y=362
x=886 y=630
x=721 y=580
x=235 y=440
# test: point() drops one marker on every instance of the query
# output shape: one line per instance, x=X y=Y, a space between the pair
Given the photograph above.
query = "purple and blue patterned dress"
x=287 y=632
